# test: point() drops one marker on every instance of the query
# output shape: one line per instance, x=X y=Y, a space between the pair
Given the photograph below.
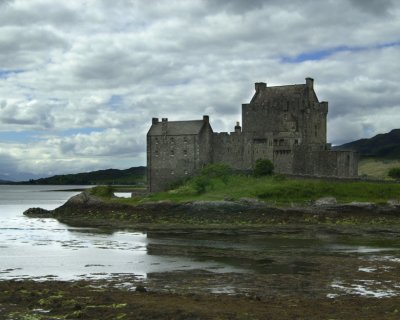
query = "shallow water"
x=225 y=261
x=44 y=248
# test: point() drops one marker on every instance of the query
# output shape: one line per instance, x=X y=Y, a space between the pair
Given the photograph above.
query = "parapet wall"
x=228 y=149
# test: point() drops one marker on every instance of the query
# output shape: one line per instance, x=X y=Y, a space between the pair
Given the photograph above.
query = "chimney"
x=260 y=86
x=164 y=127
x=238 y=128
x=206 y=119
x=154 y=120
x=310 y=82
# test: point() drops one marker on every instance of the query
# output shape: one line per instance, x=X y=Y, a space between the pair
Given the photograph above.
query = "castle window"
x=296 y=142
x=156 y=153
x=185 y=152
x=172 y=153
x=185 y=140
x=186 y=172
x=172 y=140
x=172 y=172
x=156 y=140
x=281 y=142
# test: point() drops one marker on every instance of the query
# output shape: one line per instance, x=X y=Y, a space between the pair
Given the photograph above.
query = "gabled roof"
x=191 y=127
x=288 y=92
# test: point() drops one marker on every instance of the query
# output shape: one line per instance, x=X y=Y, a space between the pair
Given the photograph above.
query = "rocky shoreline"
x=88 y=210
x=296 y=283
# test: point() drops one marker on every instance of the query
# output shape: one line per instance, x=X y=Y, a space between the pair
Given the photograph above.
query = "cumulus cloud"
x=87 y=77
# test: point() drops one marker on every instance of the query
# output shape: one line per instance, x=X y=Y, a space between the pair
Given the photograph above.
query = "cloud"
x=83 y=81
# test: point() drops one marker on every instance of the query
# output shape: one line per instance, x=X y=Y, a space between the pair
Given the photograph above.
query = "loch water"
x=328 y=260
x=45 y=248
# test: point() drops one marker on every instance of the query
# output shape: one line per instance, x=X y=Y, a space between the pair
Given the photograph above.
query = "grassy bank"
x=376 y=168
x=278 y=190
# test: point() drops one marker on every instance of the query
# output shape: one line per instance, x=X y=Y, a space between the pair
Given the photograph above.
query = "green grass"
x=376 y=168
x=280 y=191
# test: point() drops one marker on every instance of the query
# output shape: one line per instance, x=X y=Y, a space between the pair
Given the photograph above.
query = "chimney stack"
x=164 y=127
x=154 y=120
x=206 y=119
x=310 y=82
x=260 y=86
x=238 y=128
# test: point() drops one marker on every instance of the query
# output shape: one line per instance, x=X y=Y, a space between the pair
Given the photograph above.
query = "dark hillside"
x=385 y=145
x=131 y=176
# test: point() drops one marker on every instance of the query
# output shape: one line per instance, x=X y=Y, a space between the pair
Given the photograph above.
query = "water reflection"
x=276 y=258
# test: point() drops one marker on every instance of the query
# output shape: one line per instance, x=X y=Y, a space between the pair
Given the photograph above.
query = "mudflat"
x=331 y=262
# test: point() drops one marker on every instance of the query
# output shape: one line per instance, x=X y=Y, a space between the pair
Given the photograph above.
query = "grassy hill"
x=378 y=154
x=131 y=176
x=385 y=145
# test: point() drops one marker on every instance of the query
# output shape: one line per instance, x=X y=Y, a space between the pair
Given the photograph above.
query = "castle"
x=286 y=124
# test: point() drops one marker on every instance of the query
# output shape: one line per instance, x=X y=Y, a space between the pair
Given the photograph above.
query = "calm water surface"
x=35 y=248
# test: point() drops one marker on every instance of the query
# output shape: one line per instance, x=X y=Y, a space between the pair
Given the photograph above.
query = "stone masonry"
x=286 y=124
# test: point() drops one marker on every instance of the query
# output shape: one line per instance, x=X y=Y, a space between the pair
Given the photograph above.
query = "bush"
x=263 y=167
x=200 y=184
x=103 y=191
x=394 y=173
x=217 y=170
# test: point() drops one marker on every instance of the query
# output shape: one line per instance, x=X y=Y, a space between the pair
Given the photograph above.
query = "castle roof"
x=191 y=127
x=287 y=92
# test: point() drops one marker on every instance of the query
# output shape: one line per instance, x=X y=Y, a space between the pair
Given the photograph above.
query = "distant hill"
x=131 y=176
x=385 y=145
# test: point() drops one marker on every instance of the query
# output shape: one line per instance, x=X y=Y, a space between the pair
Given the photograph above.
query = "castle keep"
x=286 y=124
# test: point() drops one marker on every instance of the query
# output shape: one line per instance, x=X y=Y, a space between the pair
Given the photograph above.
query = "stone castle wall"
x=286 y=124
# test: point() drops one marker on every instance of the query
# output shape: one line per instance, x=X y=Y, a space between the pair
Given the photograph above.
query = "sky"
x=80 y=80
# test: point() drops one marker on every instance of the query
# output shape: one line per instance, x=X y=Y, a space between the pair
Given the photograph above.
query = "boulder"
x=37 y=212
x=326 y=201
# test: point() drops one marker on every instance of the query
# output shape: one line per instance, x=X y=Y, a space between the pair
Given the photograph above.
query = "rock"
x=215 y=206
x=358 y=204
x=140 y=288
x=37 y=212
x=326 y=201
x=393 y=203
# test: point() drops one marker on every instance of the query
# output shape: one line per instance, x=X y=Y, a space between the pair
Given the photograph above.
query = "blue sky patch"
x=322 y=54
x=115 y=101
x=4 y=74
x=19 y=137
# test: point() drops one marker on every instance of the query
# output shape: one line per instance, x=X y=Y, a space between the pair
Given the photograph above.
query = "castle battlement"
x=286 y=124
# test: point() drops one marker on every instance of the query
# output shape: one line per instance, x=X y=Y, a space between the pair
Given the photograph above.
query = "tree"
x=263 y=167
x=394 y=173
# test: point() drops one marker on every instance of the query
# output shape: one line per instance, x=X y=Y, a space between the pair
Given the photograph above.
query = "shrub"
x=103 y=191
x=200 y=184
x=263 y=167
x=217 y=170
x=394 y=173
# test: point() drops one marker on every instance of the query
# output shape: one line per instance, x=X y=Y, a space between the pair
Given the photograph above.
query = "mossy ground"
x=29 y=300
x=279 y=190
